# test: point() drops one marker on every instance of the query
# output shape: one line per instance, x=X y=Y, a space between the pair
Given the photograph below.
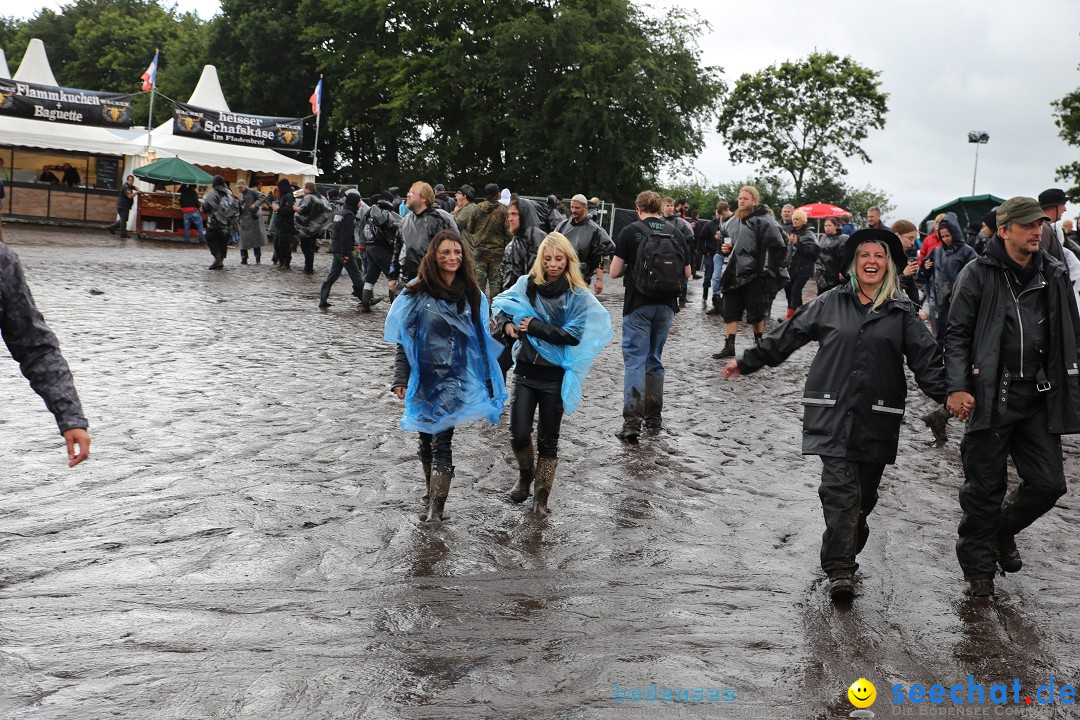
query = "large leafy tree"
x=803 y=118
x=1067 y=118
x=540 y=96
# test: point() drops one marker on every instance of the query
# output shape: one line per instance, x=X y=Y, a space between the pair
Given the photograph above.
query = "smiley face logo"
x=862 y=693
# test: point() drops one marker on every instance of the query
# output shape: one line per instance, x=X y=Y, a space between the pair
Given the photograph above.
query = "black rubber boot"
x=526 y=468
x=441 y=475
x=704 y=294
x=841 y=588
x=1008 y=554
x=715 y=309
x=545 y=478
x=757 y=338
x=427 y=478
x=218 y=263
x=729 y=349
x=367 y=299
x=980 y=586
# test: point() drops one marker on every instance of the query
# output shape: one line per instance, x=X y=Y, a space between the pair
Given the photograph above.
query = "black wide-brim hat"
x=884 y=237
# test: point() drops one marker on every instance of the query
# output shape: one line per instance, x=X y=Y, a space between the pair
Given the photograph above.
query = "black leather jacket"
x=974 y=342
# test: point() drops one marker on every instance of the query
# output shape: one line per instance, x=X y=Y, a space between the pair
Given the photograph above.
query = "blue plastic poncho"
x=577 y=312
x=454 y=373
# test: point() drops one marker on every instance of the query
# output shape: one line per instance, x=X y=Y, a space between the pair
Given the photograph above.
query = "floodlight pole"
x=979 y=137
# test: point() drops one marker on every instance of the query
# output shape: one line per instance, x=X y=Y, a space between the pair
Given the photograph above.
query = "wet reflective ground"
x=244 y=541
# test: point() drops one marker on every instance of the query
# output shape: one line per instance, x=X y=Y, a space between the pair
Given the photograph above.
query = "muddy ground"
x=244 y=541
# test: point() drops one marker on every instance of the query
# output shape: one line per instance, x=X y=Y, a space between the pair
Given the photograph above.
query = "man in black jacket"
x=124 y=200
x=754 y=250
x=343 y=249
x=1012 y=366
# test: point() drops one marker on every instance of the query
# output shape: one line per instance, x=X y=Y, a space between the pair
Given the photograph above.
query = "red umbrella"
x=821 y=210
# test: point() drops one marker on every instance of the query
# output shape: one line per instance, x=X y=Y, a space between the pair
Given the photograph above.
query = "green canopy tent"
x=173 y=171
x=968 y=210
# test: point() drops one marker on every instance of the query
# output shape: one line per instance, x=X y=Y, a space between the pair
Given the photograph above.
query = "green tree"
x=539 y=96
x=265 y=56
x=1067 y=118
x=804 y=117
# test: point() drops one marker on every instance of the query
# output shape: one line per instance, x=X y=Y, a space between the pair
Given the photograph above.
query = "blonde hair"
x=890 y=285
x=557 y=242
x=798 y=215
x=424 y=190
x=753 y=193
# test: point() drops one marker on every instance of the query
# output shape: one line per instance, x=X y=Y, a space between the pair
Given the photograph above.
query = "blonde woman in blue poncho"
x=446 y=368
x=560 y=327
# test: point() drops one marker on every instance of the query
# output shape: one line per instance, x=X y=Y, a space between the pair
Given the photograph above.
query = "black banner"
x=236 y=128
x=64 y=105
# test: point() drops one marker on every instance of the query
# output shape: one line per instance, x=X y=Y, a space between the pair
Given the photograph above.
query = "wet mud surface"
x=244 y=541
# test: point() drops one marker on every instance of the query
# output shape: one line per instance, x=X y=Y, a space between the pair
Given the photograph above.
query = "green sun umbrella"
x=173 y=170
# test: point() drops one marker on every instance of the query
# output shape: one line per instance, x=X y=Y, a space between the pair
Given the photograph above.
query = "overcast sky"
x=949 y=68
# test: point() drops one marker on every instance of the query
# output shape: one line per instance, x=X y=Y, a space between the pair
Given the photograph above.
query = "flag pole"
x=318 y=115
x=153 y=88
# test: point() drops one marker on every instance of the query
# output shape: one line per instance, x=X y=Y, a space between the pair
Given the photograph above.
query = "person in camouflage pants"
x=488 y=226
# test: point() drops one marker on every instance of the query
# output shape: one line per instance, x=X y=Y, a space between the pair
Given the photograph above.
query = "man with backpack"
x=652 y=255
x=312 y=217
x=223 y=215
x=381 y=238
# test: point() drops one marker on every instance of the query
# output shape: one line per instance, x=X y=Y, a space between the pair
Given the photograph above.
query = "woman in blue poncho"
x=560 y=328
x=446 y=368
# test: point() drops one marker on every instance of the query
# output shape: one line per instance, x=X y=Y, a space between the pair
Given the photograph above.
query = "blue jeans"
x=190 y=218
x=644 y=332
x=717 y=271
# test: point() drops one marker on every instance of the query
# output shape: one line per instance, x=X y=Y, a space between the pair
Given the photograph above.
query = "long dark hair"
x=430 y=280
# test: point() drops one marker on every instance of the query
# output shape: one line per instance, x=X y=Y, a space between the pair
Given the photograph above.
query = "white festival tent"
x=35 y=68
x=208 y=95
x=130 y=143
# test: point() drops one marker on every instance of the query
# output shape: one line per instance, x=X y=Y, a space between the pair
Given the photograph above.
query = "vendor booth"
x=61 y=167
x=259 y=166
x=60 y=172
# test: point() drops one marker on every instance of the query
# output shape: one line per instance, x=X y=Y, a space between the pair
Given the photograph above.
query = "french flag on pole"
x=149 y=78
x=316 y=98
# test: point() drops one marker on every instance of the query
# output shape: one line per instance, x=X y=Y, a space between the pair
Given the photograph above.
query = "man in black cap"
x=1053 y=204
x=443 y=198
x=1012 y=367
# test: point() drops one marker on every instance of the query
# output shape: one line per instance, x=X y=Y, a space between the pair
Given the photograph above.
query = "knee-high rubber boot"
x=542 y=482
x=441 y=475
x=367 y=299
x=427 y=478
x=526 y=468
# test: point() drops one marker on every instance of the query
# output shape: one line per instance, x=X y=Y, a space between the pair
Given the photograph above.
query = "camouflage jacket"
x=34 y=346
x=489 y=229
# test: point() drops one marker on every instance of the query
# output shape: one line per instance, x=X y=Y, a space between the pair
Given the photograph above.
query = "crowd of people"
x=985 y=318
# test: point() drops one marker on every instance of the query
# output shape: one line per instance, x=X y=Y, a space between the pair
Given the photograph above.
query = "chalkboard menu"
x=107 y=173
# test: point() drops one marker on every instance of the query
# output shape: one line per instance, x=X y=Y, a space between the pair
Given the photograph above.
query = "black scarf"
x=996 y=249
x=454 y=294
x=555 y=288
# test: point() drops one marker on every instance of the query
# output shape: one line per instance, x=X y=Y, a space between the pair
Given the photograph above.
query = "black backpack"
x=659 y=267
x=376 y=233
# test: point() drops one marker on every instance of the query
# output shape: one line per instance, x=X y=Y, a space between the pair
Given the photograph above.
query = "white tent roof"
x=4 y=72
x=76 y=138
x=35 y=67
x=208 y=94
